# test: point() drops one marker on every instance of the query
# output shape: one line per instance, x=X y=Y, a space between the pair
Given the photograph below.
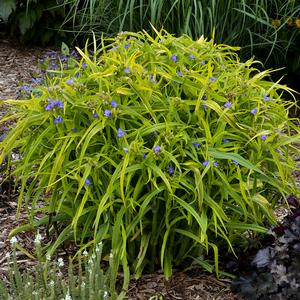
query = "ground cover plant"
x=273 y=272
x=164 y=149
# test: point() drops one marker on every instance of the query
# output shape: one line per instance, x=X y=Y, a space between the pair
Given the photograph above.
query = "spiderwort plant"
x=142 y=175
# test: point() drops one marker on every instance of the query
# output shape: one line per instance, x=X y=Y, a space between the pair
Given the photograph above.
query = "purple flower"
x=235 y=162
x=157 y=149
x=266 y=98
x=191 y=56
x=70 y=81
x=215 y=164
x=74 y=129
x=225 y=141
x=254 y=111
x=144 y=155
x=74 y=53
x=213 y=79
x=57 y=120
x=204 y=97
x=263 y=137
x=87 y=182
x=227 y=104
x=152 y=78
x=49 y=106
x=26 y=88
x=179 y=73
x=107 y=113
x=64 y=58
x=174 y=57
x=125 y=149
x=113 y=104
x=127 y=70
x=59 y=104
x=37 y=80
x=95 y=115
x=54 y=65
x=206 y=162
x=196 y=144
x=127 y=46
x=53 y=104
x=121 y=133
x=170 y=170
x=204 y=106
x=84 y=66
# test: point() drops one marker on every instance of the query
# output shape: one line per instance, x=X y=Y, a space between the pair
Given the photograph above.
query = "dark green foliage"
x=34 y=21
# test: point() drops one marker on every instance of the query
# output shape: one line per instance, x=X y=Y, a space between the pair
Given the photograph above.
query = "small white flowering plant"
x=82 y=279
x=165 y=148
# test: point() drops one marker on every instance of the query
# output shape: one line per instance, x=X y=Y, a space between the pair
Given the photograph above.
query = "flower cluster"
x=53 y=104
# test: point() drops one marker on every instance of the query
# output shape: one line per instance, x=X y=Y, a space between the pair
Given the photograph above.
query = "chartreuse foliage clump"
x=162 y=148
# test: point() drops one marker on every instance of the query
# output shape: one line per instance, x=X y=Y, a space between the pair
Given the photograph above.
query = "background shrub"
x=267 y=30
x=34 y=21
x=162 y=148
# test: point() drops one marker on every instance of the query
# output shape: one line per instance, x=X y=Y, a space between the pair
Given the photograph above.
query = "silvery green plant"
x=84 y=278
x=162 y=148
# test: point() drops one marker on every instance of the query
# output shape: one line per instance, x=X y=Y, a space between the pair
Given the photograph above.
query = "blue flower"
x=254 y=111
x=64 y=58
x=213 y=79
x=227 y=104
x=37 y=80
x=179 y=73
x=26 y=88
x=107 y=113
x=152 y=78
x=74 y=53
x=174 y=57
x=84 y=66
x=144 y=155
x=170 y=170
x=191 y=56
x=57 y=120
x=53 y=104
x=125 y=149
x=127 y=46
x=196 y=144
x=95 y=115
x=157 y=149
x=74 y=129
x=263 y=137
x=215 y=164
x=77 y=74
x=225 y=141
x=204 y=106
x=266 y=98
x=121 y=133
x=235 y=162
x=70 y=81
x=113 y=104
x=204 y=97
x=87 y=182
x=206 y=162
x=127 y=70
